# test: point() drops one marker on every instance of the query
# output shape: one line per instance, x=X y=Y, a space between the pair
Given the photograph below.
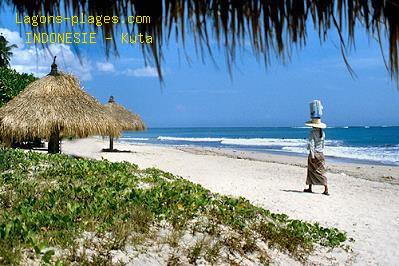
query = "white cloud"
x=37 y=60
x=12 y=37
x=142 y=72
x=105 y=67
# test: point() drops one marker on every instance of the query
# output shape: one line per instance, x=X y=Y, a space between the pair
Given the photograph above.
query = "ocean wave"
x=190 y=139
x=377 y=154
x=267 y=142
x=241 y=141
x=136 y=139
x=335 y=148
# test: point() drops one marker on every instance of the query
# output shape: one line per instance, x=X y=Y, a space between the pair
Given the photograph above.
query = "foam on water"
x=264 y=142
x=137 y=139
x=163 y=138
x=240 y=141
x=247 y=141
x=378 y=154
x=367 y=143
x=333 y=147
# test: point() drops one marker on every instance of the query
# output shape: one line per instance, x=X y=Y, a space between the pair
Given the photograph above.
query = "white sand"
x=364 y=199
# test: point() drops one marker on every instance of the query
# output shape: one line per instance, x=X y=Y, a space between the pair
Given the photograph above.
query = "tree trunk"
x=54 y=143
x=111 y=143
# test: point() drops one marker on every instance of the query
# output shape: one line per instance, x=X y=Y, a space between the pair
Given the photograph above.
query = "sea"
x=377 y=145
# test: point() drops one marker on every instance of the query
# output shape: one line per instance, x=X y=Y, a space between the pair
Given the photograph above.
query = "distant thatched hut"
x=54 y=107
x=126 y=119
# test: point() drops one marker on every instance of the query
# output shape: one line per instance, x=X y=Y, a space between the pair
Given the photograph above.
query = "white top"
x=315 y=143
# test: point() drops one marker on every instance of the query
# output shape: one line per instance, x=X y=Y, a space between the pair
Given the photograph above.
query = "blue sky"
x=197 y=94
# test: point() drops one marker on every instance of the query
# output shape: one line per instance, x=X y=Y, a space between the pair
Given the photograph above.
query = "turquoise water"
x=364 y=144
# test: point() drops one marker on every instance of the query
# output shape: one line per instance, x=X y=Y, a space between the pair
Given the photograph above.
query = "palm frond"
x=272 y=27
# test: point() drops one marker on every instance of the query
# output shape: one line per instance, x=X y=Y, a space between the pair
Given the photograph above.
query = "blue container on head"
x=316 y=109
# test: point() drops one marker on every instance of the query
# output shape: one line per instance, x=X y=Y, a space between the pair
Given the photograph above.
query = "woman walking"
x=316 y=162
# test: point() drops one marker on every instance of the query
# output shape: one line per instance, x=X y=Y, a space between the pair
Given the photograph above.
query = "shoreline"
x=362 y=203
x=369 y=170
x=334 y=159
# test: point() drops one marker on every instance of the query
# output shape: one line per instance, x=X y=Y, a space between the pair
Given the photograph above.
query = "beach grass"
x=60 y=209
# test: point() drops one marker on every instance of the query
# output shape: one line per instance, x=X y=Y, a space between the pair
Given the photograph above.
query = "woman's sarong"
x=316 y=170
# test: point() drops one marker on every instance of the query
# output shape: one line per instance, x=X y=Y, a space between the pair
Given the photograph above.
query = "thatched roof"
x=55 y=102
x=127 y=119
x=272 y=27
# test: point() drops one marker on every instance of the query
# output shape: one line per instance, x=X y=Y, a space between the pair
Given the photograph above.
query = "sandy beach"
x=364 y=198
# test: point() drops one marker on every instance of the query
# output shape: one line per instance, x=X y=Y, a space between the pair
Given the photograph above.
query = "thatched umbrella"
x=54 y=107
x=126 y=119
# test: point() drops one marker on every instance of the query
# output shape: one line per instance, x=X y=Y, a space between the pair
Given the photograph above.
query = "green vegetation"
x=48 y=203
x=5 y=51
x=12 y=83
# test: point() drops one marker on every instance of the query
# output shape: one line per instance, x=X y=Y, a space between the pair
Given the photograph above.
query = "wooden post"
x=7 y=143
x=37 y=142
x=54 y=143
x=111 y=143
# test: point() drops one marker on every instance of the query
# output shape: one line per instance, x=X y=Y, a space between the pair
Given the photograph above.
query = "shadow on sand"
x=116 y=150
x=295 y=191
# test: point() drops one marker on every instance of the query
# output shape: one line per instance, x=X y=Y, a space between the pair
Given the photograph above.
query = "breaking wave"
x=334 y=148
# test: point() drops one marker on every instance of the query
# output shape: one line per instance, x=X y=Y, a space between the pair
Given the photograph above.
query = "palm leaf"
x=273 y=27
